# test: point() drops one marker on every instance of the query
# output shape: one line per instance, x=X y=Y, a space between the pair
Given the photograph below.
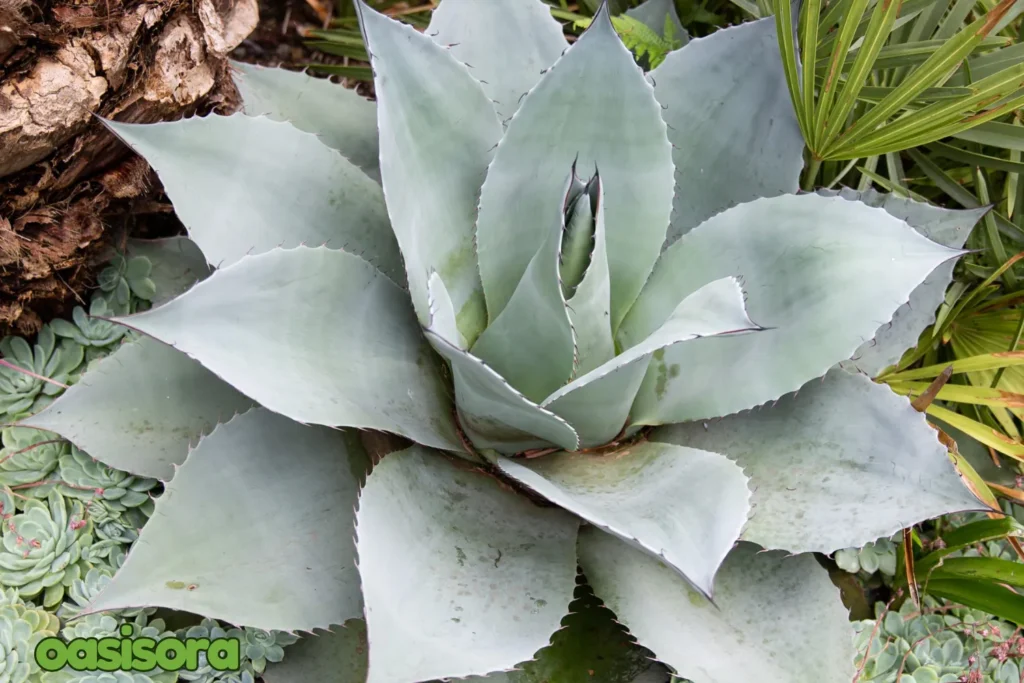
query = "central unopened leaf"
x=315 y=334
x=812 y=273
x=460 y=575
x=683 y=505
x=593 y=106
x=255 y=529
x=531 y=342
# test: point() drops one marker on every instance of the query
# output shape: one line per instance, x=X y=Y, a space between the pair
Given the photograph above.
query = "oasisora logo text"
x=138 y=654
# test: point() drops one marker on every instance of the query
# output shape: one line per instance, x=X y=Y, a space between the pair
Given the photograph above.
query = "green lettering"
x=143 y=654
x=194 y=647
x=82 y=654
x=170 y=654
x=51 y=654
x=224 y=654
x=109 y=651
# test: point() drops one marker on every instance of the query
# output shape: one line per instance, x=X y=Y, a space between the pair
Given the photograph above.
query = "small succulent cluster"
x=939 y=643
x=876 y=556
x=258 y=649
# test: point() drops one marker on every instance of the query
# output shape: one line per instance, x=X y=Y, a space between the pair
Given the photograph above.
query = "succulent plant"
x=30 y=456
x=72 y=676
x=82 y=591
x=257 y=648
x=21 y=629
x=91 y=330
x=569 y=270
x=42 y=546
x=876 y=556
x=125 y=277
x=87 y=478
x=20 y=392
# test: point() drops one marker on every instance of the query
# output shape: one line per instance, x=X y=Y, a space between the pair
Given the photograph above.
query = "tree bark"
x=69 y=190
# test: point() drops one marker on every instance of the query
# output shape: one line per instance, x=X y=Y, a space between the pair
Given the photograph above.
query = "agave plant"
x=82 y=590
x=569 y=271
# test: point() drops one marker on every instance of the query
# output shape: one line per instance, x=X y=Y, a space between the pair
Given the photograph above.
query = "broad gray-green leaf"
x=317 y=335
x=654 y=13
x=177 y=262
x=730 y=116
x=531 y=342
x=335 y=656
x=460 y=576
x=245 y=185
x=141 y=408
x=507 y=45
x=591 y=647
x=822 y=273
x=254 y=529
x=843 y=462
x=683 y=505
x=437 y=135
x=492 y=413
x=593 y=106
x=590 y=304
x=578 y=237
x=949 y=227
x=598 y=403
x=342 y=119
x=776 y=619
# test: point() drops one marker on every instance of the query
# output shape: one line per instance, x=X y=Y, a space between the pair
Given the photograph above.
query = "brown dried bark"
x=68 y=188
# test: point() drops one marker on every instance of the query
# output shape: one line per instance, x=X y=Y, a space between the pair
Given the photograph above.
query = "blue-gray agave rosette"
x=597 y=287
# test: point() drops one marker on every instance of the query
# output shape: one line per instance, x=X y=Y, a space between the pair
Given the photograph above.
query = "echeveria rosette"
x=21 y=629
x=83 y=589
x=564 y=259
x=24 y=392
x=84 y=477
x=257 y=648
x=29 y=460
x=43 y=546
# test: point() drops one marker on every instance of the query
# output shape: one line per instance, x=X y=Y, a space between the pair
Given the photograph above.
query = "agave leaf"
x=784 y=610
x=655 y=13
x=336 y=656
x=263 y=184
x=177 y=264
x=881 y=465
x=270 y=484
x=531 y=342
x=593 y=106
x=260 y=325
x=729 y=115
x=442 y=312
x=493 y=413
x=437 y=132
x=506 y=45
x=141 y=408
x=483 y=574
x=342 y=119
x=591 y=646
x=598 y=403
x=590 y=304
x=683 y=505
x=948 y=227
x=803 y=260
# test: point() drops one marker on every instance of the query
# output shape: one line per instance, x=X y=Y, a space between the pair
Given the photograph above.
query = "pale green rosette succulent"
x=125 y=277
x=24 y=392
x=589 y=304
x=21 y=628
x=83 y=590
x=257 y=648
x=91 y=330
x=72 y=676
x=29 y=459
x=43 y=546
x=87 y=478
